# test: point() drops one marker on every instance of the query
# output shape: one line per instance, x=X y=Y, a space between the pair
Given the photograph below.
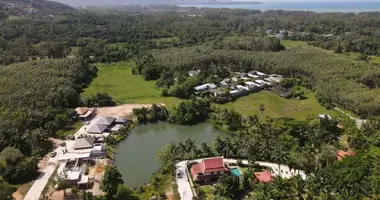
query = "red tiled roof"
x=197 y=168
x=263 y=176
x=81 y=110
x=342 y=154
x=214 y=165
x=207 y=166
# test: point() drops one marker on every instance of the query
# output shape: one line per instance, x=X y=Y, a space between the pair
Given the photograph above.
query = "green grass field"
x=351 y=55
x=278 y=107
x=118 y=80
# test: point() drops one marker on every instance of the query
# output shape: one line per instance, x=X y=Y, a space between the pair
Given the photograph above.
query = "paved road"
x=39 y=184
x=358 y=122
x=183 y=183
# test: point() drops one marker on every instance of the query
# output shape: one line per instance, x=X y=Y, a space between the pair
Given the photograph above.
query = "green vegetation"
x=69 y=130
x=117 y=80
x=278 y=107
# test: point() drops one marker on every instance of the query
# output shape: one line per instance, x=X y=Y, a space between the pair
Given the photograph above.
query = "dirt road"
x=121 y=110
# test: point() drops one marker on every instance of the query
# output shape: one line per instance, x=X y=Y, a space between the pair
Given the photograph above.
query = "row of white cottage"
x=253 y=81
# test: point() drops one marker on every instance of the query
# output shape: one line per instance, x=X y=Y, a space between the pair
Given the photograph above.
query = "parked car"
x=179 y=175
x=53 y=154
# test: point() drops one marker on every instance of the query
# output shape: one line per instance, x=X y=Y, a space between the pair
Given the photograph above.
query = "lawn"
x=117 y=80
x=278 y=107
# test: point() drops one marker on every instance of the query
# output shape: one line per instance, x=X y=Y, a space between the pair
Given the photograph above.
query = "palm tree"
x=189 y=145
x=280 y=157
x=299 y=189
x=206 y=149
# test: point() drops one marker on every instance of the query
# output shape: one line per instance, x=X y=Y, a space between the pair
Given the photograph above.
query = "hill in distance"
x=22 y=7
x=146 y=2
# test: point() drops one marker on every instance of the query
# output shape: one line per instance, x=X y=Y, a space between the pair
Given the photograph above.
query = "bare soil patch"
x=121 y=110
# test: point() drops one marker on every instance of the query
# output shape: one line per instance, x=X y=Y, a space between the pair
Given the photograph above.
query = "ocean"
x=328 y=6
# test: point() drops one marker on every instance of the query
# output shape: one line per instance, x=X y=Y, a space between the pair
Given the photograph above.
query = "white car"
x=179 y=175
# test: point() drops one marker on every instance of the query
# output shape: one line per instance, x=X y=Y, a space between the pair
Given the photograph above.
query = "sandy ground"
x=121 y=110
x=18 y=196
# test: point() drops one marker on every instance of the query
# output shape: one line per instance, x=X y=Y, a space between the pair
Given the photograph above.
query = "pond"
x=136 y=156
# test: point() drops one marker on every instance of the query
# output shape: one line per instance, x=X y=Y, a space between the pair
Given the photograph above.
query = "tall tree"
x=111 y=181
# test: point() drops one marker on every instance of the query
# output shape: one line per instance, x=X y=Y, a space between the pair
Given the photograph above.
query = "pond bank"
x=136 y=155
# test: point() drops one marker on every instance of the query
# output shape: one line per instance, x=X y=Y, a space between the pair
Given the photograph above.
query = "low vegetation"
x=117 y=80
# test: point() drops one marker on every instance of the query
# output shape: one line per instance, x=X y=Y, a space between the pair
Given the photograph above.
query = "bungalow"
x=84 y=113
x=342 y=154
x=209 y=169
x=253 y=75
x=117 y=127
x=207 y=86
x=251 y=84
x=96 y=128
x=84 y=143
x=256 y=73
x=223 y=83
x=242 y=87
x=121 y=120
x=103 y=120
x=263 y=177
x=253 y=87
x=271 y=81
x=234 y=79
x=245 y=78
x=262 y=83
x=239 y=92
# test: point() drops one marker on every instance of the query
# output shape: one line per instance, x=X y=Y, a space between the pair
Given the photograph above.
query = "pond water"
x=136 y=156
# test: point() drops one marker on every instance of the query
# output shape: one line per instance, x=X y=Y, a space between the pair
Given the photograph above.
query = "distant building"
x=239 y=92
x=340 y=155
x=194 y=73
x=209 y=169
x=262 y=83
x=207 y=86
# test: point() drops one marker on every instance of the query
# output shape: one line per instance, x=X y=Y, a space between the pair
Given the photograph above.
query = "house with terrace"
x=84 y=113
x=209 y=169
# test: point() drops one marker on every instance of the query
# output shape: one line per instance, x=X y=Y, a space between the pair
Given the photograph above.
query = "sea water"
x=320 y=6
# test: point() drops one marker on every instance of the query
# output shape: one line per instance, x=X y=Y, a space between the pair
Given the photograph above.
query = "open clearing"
x=121 y=110
x=278 y=107
x=126 y=88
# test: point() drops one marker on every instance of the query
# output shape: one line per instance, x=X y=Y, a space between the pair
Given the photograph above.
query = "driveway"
x=183 y=183
x=39 y=184
x=358 y=122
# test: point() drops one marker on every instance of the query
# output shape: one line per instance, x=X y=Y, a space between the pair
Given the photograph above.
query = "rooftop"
x=103 y=120
x=342 y=154
x=81 y=110
x=263 y=177
x=96 y=128
x=84 y=143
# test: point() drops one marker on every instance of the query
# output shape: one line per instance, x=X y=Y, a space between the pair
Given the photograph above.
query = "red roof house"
x=342 y=154
x=208 y=169
x=263 y=177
